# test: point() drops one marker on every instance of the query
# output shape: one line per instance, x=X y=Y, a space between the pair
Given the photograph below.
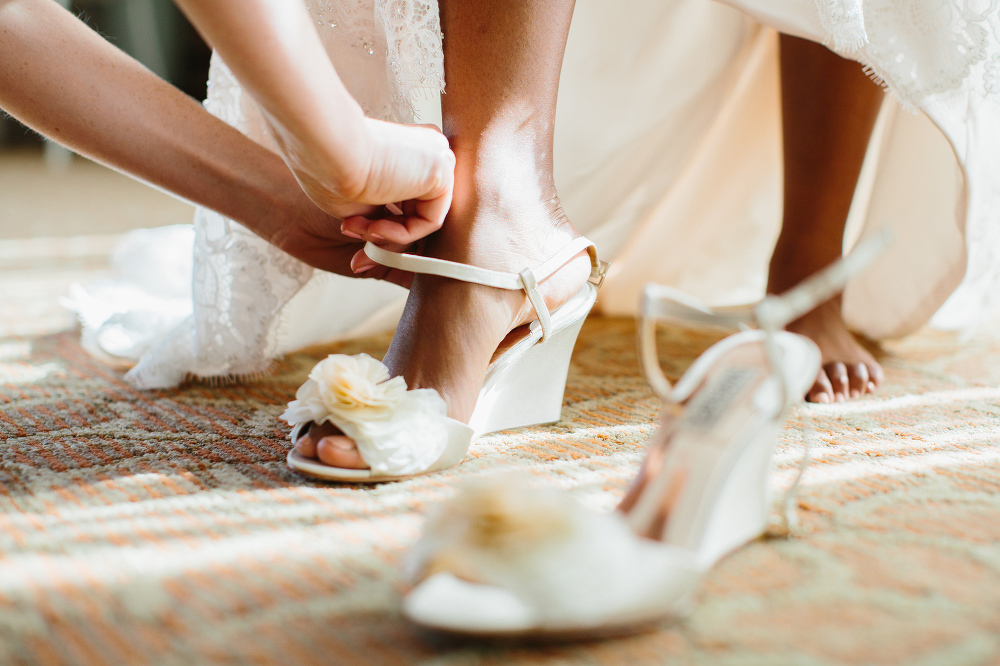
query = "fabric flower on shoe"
x=396 y=431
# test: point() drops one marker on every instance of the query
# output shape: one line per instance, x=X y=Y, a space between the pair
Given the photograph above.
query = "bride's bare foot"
x=829 y=107
x=450 y=330
x=502 y=62
x=849 y=371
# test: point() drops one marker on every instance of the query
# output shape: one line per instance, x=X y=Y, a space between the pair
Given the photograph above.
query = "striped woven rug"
x=164 y=527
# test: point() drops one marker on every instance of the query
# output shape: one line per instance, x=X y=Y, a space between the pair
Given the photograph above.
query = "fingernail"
x=394 y=209
x=376 y=238
x=362 y=269
x=350 y=234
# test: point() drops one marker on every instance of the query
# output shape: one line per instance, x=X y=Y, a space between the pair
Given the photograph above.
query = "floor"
x=164 y=527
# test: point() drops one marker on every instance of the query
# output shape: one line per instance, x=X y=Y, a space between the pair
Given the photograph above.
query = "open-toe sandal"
x=505 y=562
x=401 y=433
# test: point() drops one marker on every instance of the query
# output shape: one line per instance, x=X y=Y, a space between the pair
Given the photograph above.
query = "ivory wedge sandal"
x=505 y=562
x=401 y=433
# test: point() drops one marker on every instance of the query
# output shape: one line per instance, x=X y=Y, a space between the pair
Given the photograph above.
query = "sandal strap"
x=526 y=280
x=776 y=312
x=660 y=303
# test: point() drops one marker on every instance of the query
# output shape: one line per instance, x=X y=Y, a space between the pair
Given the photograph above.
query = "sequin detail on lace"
x=400 y=37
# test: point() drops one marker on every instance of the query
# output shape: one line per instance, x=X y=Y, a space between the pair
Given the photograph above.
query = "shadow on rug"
x=164 y=527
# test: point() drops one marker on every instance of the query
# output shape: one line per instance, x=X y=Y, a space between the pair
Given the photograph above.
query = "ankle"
x=821 y=317
x=501 y=171
x=497 y=211
x=789 y=267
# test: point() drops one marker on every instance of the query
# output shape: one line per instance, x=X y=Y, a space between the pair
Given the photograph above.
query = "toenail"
x=342 y=444
x=855 y=393
x=871 y=387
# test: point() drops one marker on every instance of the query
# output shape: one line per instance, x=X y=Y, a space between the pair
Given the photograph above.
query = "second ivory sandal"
x=503 y=561
x=402 y=433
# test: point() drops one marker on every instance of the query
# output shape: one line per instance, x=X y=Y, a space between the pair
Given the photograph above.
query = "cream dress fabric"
x=667 y=156
x=932 y=172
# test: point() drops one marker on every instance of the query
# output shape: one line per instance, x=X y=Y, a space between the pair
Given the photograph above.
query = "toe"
x=875 y=374
x=837 y=372
x=857 y=379
x=306 y=446
x=340 y=451
x=821 y=391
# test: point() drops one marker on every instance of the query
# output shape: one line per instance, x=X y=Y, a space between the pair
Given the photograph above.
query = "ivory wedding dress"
x=667 y=156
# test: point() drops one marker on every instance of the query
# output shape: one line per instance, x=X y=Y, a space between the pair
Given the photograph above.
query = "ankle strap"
x=776 y=312
x=660 y=303
x=526 y=279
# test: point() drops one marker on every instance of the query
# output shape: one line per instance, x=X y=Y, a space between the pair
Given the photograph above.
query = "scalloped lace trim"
x=919 y=48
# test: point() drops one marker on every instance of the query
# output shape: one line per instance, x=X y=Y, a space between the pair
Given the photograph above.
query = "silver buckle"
x=598 y=273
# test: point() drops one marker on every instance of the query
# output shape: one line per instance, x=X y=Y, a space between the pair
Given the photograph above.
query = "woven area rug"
x=164 y=527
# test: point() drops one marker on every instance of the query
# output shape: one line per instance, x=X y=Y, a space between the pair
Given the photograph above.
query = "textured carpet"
x=164 y=527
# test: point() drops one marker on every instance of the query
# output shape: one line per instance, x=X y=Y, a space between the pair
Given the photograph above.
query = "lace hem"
x=919 y=48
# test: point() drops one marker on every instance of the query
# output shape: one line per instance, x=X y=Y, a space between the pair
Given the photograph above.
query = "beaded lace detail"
x=403 y=37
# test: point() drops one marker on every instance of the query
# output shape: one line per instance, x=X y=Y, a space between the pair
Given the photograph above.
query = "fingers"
x=397 y=229
x=362 y=263
x=333 y=259
x=412 y=164
x=416 y=220
x=363 y=266
x=403 y=230
x=432 y=211
x=351 y=261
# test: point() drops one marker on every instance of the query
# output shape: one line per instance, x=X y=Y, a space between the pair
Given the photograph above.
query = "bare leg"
x=502 y=63
x=829 y=108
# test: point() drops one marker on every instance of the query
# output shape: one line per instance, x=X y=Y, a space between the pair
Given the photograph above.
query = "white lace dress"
x=241 y=308
x=680 y=185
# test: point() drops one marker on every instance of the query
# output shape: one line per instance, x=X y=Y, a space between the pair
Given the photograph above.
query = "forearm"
x=66 y=82
x=274 y=50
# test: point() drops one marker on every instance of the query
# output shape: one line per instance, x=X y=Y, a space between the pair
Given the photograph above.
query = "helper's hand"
x=409 y=167
x=310 y=235
x=344 y=161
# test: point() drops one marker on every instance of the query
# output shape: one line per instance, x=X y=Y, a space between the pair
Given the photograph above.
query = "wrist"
x=275 y=201
x=328 y=152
